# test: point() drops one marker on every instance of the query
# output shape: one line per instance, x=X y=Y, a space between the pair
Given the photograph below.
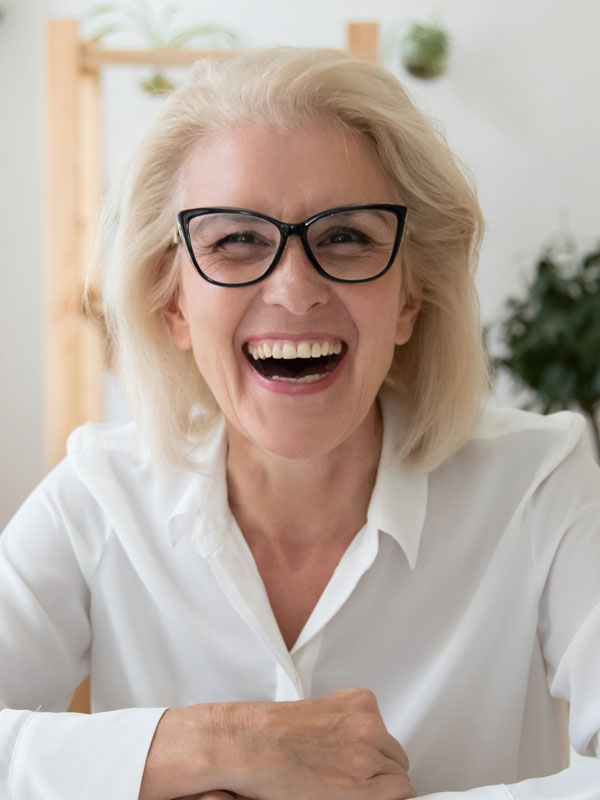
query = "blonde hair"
x=440 y=375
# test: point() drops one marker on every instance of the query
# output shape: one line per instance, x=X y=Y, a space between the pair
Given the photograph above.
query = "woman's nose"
x=294 y=283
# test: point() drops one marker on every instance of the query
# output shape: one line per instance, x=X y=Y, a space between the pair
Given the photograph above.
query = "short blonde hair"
x=440 y=375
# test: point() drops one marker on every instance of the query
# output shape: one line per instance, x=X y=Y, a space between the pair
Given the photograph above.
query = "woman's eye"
x=346 y=236
x=240 y=238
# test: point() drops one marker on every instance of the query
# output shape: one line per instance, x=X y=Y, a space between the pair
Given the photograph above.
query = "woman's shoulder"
x=526 y=450
x=524 y=472
x=118 y=468
x=527 y=440
x=102 y=462
x=500 y=422
x=106 y=437
x=104 y=456
x=69 y=512
x=109 y=483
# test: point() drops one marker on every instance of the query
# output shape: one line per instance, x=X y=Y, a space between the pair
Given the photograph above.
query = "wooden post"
x=363 y=40
x=73 y=348
x=91 y=161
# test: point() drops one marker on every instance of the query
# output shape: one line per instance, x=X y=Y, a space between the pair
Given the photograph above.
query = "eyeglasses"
x=237 y=247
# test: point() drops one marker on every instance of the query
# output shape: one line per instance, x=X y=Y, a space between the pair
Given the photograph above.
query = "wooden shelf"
x=93 y=57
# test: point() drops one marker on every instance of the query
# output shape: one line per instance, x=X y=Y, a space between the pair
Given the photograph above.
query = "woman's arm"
x=563 y=523
x=335 y=747
x=45 y=562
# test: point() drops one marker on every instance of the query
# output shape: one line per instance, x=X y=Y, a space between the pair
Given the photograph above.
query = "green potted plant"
x=551 y=336
x=424 y=50
x=155 y=30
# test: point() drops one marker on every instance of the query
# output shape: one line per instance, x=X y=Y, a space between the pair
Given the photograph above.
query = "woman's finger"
x=392 y=749
x=220 y=795
x=215 y=795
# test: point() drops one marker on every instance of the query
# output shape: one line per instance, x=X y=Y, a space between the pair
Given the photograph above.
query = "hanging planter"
x=425 y=51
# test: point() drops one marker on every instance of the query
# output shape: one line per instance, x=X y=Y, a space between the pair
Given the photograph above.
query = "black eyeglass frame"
x=287 y=229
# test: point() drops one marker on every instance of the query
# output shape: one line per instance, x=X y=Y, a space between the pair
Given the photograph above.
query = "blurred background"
x=515 y=85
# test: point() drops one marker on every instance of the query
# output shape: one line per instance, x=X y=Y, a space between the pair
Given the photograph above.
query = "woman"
x=313 y=508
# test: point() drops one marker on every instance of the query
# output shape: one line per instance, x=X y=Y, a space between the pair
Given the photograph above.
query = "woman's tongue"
x=295 y=369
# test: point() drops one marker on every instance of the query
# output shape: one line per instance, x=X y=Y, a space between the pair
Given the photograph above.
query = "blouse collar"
x=398 y=504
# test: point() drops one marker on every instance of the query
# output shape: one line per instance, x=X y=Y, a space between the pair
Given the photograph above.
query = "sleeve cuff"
x=499 y=792
x=579 y=782
x=69 y=756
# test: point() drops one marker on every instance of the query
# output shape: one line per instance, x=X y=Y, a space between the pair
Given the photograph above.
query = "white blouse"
x=469 y=604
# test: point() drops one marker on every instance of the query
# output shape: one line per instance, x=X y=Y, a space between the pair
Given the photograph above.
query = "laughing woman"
x=315 y=556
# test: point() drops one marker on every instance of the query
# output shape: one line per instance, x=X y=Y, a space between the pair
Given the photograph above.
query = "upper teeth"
x=294 y=349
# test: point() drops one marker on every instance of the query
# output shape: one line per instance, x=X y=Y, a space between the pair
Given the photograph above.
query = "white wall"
x=520 y=107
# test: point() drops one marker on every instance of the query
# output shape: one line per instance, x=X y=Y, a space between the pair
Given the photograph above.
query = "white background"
x=520 y=105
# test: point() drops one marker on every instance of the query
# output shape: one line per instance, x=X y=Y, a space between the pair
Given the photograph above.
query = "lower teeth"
x=305 y=379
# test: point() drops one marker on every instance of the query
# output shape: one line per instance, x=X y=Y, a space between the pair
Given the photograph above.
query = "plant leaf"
x=169 y=13
x=188 y=35
x=105 y=31
x=99 y=10
x=143 y=24
x=552 y=335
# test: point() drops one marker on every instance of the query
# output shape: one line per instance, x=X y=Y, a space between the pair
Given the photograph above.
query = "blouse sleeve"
x=564 y=523
x=45 y=565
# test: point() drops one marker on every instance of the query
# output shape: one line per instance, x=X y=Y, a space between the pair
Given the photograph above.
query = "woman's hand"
x=213 y=796
x=330 y=748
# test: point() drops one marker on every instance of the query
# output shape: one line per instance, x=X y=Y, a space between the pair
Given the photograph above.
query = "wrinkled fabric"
x=469 y=604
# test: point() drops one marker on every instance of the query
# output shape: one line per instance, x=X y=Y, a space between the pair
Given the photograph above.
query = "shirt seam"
x=93 y=437
x=110 y=535
x=542 y=578
x=552 y=425
x=11 y=768
x=567 y=447
x=62 y=527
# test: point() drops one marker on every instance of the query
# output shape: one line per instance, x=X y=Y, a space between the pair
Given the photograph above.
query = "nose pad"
x=295 y=283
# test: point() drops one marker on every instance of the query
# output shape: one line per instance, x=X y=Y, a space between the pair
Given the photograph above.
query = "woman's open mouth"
x=307 y=361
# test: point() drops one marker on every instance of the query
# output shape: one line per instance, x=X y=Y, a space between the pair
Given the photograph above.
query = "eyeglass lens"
x=352 y=244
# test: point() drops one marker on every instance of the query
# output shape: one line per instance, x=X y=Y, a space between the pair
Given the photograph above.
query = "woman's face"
x=290 y=176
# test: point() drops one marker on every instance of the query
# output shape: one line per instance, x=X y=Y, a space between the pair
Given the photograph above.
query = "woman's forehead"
x=321 y=162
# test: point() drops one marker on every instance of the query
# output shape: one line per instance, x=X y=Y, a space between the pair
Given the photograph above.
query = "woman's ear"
x=177 y=324
x=407 y=317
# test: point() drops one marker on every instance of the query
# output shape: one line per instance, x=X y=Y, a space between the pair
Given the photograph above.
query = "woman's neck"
x=286 y=504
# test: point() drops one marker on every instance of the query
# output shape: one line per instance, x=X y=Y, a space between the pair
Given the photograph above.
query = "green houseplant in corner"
x=551 y=336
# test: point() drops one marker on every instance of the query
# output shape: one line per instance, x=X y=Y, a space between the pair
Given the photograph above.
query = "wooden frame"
x=74 y=346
